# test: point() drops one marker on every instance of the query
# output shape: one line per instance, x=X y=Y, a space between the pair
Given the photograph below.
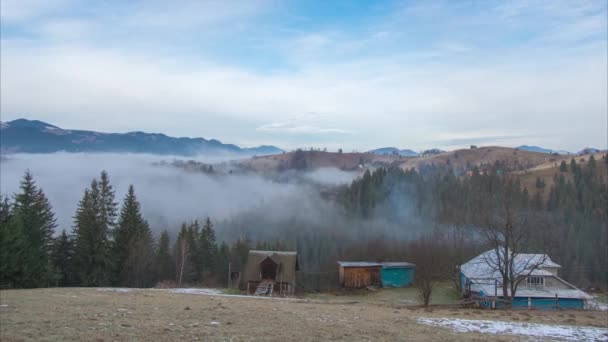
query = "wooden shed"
x=270 y=273
x=359 y=274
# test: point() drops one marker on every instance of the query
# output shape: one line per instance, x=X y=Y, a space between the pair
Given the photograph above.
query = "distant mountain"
x=589 y=150
x=541 y=149
x=393 y=151
x=431 y=152
x=32 y=136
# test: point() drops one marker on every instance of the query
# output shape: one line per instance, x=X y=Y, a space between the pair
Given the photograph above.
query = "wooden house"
x=540 y=287
x=269 y=273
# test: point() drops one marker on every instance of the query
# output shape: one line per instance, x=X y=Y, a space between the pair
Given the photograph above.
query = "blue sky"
x=336 y=74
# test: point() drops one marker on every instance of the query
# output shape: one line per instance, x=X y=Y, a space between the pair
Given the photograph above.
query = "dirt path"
x=160 y=315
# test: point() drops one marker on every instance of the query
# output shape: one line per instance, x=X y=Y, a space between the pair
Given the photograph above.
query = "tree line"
x=568 y=221
x=107 y=246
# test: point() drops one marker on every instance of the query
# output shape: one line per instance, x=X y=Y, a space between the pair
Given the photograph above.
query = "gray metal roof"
x=359 y=264
x=485 y=265
x=400 y=264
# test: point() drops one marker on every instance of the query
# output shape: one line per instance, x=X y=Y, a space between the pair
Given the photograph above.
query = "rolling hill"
x=394 y=151
x=32 y=136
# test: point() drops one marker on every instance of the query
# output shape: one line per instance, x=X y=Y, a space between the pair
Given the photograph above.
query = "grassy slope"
x=75 y=314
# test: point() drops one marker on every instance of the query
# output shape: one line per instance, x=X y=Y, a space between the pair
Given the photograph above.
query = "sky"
x=337 y=74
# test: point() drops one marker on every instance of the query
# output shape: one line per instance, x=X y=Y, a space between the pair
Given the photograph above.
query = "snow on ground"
x=208 y=292
x=218 y=293
x=114 y=289
x=533 y=330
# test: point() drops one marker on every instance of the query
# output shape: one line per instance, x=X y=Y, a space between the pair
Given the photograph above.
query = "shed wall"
x=397 y=277
x=359 y=277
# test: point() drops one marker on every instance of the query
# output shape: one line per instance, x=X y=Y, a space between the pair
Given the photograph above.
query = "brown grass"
x=72 y=314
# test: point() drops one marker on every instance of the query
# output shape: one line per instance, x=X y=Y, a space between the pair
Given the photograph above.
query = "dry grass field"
x=87 y=314
x=513 y=158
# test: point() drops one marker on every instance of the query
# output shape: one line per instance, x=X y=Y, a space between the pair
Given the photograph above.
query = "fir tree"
x=34 y=219
x=221 y=263
x=92 y=254
x=63 y=252
x=208 y=247
x=164 y=263
x=133 y=244
x=12 y=246
x=107 y=205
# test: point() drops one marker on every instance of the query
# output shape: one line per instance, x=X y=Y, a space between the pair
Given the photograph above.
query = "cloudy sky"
x=351 y=74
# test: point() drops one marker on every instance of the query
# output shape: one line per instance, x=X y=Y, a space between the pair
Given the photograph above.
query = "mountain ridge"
x=34 y=136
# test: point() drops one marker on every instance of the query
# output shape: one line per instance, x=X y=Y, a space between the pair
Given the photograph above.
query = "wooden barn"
x=269 y=273
x=360 y=274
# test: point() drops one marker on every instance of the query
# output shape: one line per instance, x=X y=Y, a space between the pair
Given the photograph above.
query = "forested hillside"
x=389 y=214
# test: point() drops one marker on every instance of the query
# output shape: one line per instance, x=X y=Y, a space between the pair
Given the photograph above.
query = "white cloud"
x=300 y=129
x=374 y=91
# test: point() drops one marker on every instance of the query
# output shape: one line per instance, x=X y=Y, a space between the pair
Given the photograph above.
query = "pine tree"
x=107 y=205
x=92 y=253
x=193 y=237
x=164 y=264
x=563 y=167
x=208 y=247
x=33 y=218
x=12 y=246
x=220 y=268
x=133 y=244
x=63 y=252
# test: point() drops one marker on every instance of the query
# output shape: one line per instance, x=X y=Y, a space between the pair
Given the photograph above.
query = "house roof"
x=484 y=266
x=401 y=264
x=287 y=261
x=536 y=292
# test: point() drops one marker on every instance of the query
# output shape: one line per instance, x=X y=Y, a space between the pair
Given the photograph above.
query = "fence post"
x=556 y=302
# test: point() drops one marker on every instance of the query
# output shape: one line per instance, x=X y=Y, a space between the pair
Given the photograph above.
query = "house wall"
x=397 y=277
x=546 y=303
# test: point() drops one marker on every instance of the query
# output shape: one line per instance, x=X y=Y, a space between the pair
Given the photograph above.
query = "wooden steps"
x=265 y=288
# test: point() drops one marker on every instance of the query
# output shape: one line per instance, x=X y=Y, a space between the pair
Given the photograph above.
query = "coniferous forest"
x=388 y=214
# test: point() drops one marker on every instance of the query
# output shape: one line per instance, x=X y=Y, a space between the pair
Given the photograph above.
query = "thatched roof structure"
x=287 y=265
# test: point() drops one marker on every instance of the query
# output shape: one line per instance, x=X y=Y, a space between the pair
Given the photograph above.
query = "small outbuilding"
x=397 y=274
x=360 y=274
x=270 y=273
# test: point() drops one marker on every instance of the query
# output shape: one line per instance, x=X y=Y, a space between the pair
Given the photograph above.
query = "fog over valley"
x=169 y=195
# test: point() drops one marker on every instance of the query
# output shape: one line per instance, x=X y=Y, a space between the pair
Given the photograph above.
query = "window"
x=535 y=281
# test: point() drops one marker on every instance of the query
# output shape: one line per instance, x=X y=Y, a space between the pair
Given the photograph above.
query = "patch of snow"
x=3 y=305
x=595 y=304
x=534 y=330
x=214 y=323
x=208 y=292
x=218 y=293
x=114 y=289
x=56 y=130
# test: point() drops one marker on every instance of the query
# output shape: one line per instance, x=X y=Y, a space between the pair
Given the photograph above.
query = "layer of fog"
x=168 y=195
x=242 y=205
x=330 y=176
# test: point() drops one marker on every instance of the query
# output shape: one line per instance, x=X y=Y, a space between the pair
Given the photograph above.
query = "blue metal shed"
x=397 y=274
